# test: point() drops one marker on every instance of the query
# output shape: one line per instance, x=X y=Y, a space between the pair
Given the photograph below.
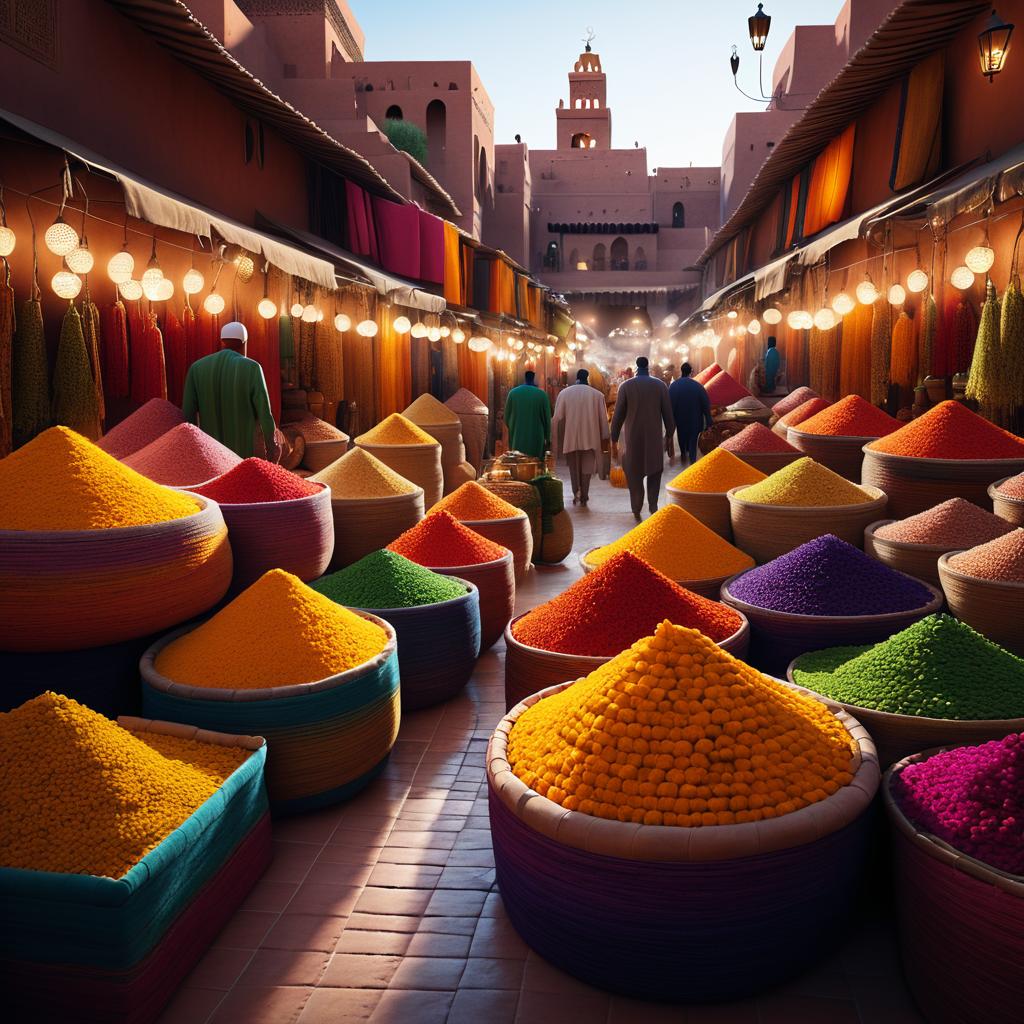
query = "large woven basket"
x=97 y=949
x=319 y=455
x=710 y=587
x=767 y=531
x=418 y=463
x=63 y=591
x=363 y=525
x=1010 y=509
x=843 y=455
x=438 y=645
x=513 y=533
x=914 y=485
x=768 y=462
x=710 y=507
x=667 y=912
x=453 y=451
x=776 y=638
x=523 y=496
x=556 y=544
x=961 y=925
x=920 y=560
x=529 y=670
x=993 y=607
x=328 y=739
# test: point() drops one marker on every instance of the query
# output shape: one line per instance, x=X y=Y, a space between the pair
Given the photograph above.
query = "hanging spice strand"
x=942 y=360
x=93 y=345
x=6 y=357
x=926 y=337
x=855 y=353
x=903 y=359
x=175 y=355
x=965 y=330
x=983 y=381
x=824 y=358
x=330 y=375
x=149 y=375
x=114 y=349
x=74 y=391
x=307 y=354
x=1011 y=333
x=881 y=344
x=31 y=376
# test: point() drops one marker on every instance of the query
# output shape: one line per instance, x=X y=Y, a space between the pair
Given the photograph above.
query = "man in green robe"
x=228 y=394
x=528 y=418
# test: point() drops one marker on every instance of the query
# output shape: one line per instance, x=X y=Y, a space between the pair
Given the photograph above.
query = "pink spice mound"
x=971 y=798
x=957 y=523
x=182 y=457
x=1001 y=559
x=1013 y=488
x=707 y=374
x=724 y=389
x=255 y=481
x=804 y=412
x=793 y=400
x=144 y=425
x=756 y=438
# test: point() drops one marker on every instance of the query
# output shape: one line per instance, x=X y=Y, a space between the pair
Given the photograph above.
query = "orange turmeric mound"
x=473 y=503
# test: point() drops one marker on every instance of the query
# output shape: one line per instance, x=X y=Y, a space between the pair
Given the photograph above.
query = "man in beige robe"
x=581 y=412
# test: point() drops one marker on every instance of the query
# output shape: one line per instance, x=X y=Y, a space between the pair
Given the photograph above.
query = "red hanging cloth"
x=114 y=349
x=176 y=356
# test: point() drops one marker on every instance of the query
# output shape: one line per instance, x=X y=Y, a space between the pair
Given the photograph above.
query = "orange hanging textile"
x=393 y=366
x=829 y=184
x=903 y=360
x=855 y=353
x=919 y=127
x=453 y=284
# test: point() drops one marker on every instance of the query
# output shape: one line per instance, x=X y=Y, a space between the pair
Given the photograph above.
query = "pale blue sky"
x=667 y=61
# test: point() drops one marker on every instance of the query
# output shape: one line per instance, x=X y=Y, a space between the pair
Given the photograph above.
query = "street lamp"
x=994 y=45
x=759 y=24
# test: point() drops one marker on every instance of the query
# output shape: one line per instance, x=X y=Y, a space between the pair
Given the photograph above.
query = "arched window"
x=481 y=182
x=551 y=256
x=578 y=103
x=597 y=103
x=581 y=140
x=394 y=112
x=437 y=125
x=639 y=258
x=574 y=258
x=678 y=216
x=620 y=254
x=598 y=260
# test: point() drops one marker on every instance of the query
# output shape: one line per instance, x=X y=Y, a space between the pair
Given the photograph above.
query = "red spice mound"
x=254 y=481
x=1014 y=487
x=956 y=522
x=612 y=607
x=146 y=424
x=756 y=438
x=182 y=457
x=804 y=412
x=1000 y=559
x=707 y=374
x=441 y=541
x=724 y=389
x=950 y=430
x=793 y=400
x=851 y=416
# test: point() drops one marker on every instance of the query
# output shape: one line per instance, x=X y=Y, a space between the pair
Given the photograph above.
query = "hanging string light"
x=7 y=236
x=446 y=332
x=121 y=266
x=153 y=271
x=479 y=344
x=434 y=333
x=80 y=260
x=165 y=290
x=458 y=335
x=61 y=238
x=843 y=303
x=732 y=314
x=867 y=293
x=917 y=281
x=980 y=258
x=214 y=302
x=267 y=308
x=193 y=281
x=419 y=329
x=309 y=314
x=402 y=325
x=66 y=284
x=366 y=328
x=962 y=278
x=897 y=295
x=824 y=319
x=342 y=322
x=296 y=310
x=130 y=290
x=772 y=315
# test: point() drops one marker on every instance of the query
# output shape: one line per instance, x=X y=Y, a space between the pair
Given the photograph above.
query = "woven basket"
x=453 y=451
x=438 y=645
x=460 y=474
x=914 y=485
x=776 y=638
x=496 y=583
x=993 y=607
x=920 y=560
x=678 y=907
x=63 y=591
x=295 y=535
x=523 y=496
x=418 y=463
x=556 y=545
x=514 y=533
x=711 y=508
x=843 y=455
x=320 y=454
x=529 y=670
x=767 y=531
x=710 y=588
x=1010 y=509
x=363 y=525
x=961 y=925
x=328 y=739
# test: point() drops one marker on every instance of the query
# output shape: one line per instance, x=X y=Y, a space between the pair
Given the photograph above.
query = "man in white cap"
x=227 y=394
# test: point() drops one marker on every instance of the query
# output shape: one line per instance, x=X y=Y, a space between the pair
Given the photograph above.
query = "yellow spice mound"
x=716 y=473
x=427 y=411
x=80 y=795
x=279 y=632
x=396 y=429
x=805 y=482
x=472 y=503
x=678 y=545
x=675 y=731
x=61 y=481
x=358 y=474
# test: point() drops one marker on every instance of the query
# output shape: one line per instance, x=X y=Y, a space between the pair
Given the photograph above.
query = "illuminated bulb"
x=402 y=325
x=962 y=277
x=550 y=350
x=794 y=320
x=434 y=333
x=66 y=284
x=419 y=330
x=296 y=310
x=61 y=238
x=754 y=327
x=80 y=260
x=510 y=341
x=771 y=316
x=980 y=259
x=130 y=290
x=343 y=322
x=309 y=314
x=520 y=346
x=897 y=295
x=214 y=304
x=458 y=335
x=267 y=308
x=741 y=331
x=246 y=268
x=479 y=344
x=192 y=283
x=843 y=303
x=867 y=293
x=732 y=314
x=151 y=287
x=446 y=332
x=824 y=319
x=121 y=266
x=366 y=328
x=917 y=281
x=7 y=240
x=165 y=290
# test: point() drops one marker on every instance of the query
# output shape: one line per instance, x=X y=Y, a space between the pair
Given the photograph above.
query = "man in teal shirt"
x=228 y=394
x=771 y=366
x=528 y=418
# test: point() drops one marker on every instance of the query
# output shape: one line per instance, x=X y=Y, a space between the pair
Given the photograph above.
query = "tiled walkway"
x=385 y=909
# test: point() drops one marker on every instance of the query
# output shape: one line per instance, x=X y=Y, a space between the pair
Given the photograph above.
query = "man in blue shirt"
x=691 y=410
x=771 y=366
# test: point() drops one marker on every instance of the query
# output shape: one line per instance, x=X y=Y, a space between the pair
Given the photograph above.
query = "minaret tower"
x=586 y=123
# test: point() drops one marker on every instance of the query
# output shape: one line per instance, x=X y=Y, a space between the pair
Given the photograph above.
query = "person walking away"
x=771 y=366
x=528 y=418
x=227 y=393
x=691 y=409
x=642 y=409
x=581 y=411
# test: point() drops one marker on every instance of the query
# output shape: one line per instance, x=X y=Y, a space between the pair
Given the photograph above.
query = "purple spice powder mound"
x=827 y=576
x=972 y=798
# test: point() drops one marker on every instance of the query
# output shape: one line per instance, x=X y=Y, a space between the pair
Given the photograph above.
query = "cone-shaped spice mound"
x=718 y=472
x=256 y=480
x=707 y=374
x=1013 y=488
x=471 y=502
x=803 y=412
x=793 y=400
x=441 y=541
x=757 y=438
x=278 y=632
x=396 y=429
x=957 y=522
x=678 y=545
x=1001 y=559
x=950 y=430
x=612 y=607
x=851 y=416
x=183 y=456
x=383 y=579
x=827 y=576
x=674 y=731
x=427 y=411
x=724 y=389
x=61 y=481
x=358 y=474
x=144 y=425
x=936 y=668
x=81 y=795
x=805 y=483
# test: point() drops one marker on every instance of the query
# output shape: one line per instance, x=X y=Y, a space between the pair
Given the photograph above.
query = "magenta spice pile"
x=1001 y=559
x=972 y=798
x=183 y=456
x=793 y=401
x=146 y=424
x=956 y=523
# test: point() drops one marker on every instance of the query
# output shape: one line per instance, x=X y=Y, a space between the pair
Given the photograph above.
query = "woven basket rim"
x=287 y=504
x=900 y=545
x=940 y=463
x=418 y=446
x=190 y=732
x=448 y=602
x=945 y=568
x=698 y=494
x=681 y=583
x=456 y=423
x=932 y=844
x=335 y=440
x=682 y=843
x=879 y=500
x=499 y=521
x=847 y=438
x=880 y=618
x=339 y=499
x=211 y=693
x=455 y=569
x=993 y=491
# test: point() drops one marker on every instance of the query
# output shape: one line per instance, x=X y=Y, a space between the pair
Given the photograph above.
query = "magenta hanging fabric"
x=398 y=235
x=431 y=248
x=371 y=227
x=359 y=233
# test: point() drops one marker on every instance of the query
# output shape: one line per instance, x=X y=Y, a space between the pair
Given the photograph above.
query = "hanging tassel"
x=74 y=390
x=6 y=359
x=881 y=346
x=30 y=387
x=176 y=356
x=926 y=338
x=149 y=376
x=965 y=330
x=983 y=381
x=114 y=349
x=93 y=345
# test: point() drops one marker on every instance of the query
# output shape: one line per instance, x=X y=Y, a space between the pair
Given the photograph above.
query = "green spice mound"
x=383 y=579
x=937 y=668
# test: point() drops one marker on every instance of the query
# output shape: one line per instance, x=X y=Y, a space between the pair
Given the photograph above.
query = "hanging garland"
x=1011 y=333
x=74 y=389
x=987 y=360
